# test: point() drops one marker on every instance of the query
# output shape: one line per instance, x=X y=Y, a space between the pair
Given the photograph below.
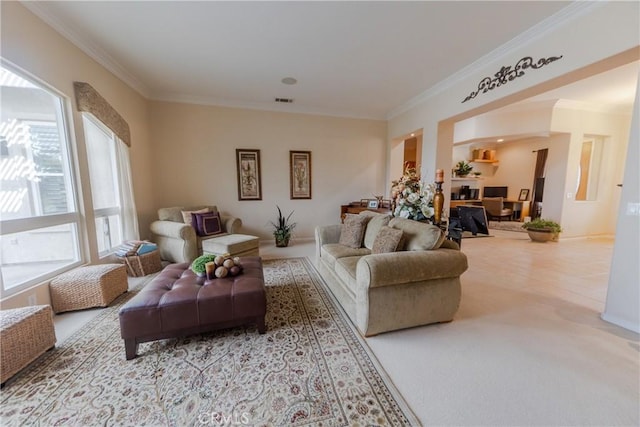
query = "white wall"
x=194 y=161
x=592 y=217
x=623 y=296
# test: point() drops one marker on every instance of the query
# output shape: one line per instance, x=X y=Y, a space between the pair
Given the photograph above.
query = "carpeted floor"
x=310 y=368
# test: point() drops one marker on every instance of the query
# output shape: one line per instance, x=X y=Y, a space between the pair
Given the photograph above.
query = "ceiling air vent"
x=285 y=100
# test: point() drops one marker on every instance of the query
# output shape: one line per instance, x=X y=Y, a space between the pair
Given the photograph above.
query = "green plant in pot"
x=542 y=230
x=283 y=229
x=198 y=264
x=463 y=168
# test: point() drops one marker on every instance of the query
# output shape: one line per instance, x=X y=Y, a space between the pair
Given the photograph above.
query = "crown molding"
x=566 y=14
x=103 y=58
x=263 y=106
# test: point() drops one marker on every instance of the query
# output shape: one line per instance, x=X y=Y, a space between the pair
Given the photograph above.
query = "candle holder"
x=438 y=203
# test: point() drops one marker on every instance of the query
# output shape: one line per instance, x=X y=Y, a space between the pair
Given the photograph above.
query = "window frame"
x=64 y=118
x=105 y=213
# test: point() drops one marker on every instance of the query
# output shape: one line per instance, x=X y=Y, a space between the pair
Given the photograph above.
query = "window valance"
x=90 y=101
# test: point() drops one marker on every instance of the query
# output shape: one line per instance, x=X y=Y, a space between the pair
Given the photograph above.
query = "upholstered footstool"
x=178 y=303
x=25 y=333
x=88 y=286
x=233 y=244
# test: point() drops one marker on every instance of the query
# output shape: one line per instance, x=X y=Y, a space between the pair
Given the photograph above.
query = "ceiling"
x=355 y=59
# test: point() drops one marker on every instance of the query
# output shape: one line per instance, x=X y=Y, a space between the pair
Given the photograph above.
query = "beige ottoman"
x=25 y=334
x=233 y=244
x=88 y=286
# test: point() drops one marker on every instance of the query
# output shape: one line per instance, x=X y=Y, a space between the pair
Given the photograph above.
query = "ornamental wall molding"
x=507 y=74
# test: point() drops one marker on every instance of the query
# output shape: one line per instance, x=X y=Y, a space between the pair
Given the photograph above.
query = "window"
x=39 y=219
x=106 y=189
x=589 y=168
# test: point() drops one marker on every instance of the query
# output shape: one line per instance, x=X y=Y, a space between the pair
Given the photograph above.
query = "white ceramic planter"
x=542 y=235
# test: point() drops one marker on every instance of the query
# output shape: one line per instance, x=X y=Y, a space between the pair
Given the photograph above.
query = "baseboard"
x=623 y=323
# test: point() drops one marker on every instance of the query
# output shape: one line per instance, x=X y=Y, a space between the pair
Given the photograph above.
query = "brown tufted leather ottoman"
x=178 y=303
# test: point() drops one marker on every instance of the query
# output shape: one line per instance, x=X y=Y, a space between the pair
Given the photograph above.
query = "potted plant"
x=542 y=230
x=463 y=168
x=282 y=229
x=198 y=264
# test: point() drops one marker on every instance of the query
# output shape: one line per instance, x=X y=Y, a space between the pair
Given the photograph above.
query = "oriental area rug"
x=311 y=368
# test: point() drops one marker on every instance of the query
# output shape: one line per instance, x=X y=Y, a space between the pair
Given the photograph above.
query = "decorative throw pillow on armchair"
x=207 y=224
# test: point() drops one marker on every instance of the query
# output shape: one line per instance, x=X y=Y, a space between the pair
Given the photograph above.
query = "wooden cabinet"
x=356 y=208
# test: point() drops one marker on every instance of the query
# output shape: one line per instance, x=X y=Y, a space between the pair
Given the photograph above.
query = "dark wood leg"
x=130 y=348
x=262 y=328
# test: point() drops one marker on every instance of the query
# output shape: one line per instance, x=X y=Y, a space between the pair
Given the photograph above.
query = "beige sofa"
x=414 y=285
x=177 y=241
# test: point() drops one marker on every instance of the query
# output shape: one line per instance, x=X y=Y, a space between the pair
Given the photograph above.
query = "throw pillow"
x=353 y=230
x=387 y=240
x=207 y=224
x=418 y=236
x=373 y=227
x=187 y=218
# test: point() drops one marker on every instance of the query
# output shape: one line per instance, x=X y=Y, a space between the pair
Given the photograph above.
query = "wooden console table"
x=356 y=208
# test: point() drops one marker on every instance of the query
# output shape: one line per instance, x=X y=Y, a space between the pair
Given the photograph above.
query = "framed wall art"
x=300 y=174
x=249 y=181
x=524 y=194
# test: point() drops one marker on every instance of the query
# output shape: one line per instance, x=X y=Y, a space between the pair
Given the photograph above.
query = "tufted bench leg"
x=262 y=328
x=130 y=348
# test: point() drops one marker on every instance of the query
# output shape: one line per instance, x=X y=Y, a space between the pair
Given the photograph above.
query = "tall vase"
x=438 y=203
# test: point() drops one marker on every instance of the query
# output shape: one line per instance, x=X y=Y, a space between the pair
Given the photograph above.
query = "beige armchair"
x=495 y=208
x=177 y=241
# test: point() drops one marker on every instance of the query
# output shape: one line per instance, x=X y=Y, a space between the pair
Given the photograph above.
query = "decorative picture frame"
x=300 y=174
x=373 y=204
x=248 y=170
x=524 y=195
x=364 y=202
x=386 y=203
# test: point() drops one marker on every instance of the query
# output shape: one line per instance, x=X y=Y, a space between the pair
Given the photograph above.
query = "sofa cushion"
x=207 y=224
x=373 y=227
x=345 y=269
x=331 y=252
x=418 y=236
x=387 y=240
x=353 y=230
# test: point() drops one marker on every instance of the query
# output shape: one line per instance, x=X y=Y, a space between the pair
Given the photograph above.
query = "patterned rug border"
x=381 y=381
x=370 y=356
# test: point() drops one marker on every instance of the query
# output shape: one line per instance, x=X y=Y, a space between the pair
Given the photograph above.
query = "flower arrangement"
x=412 y=198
